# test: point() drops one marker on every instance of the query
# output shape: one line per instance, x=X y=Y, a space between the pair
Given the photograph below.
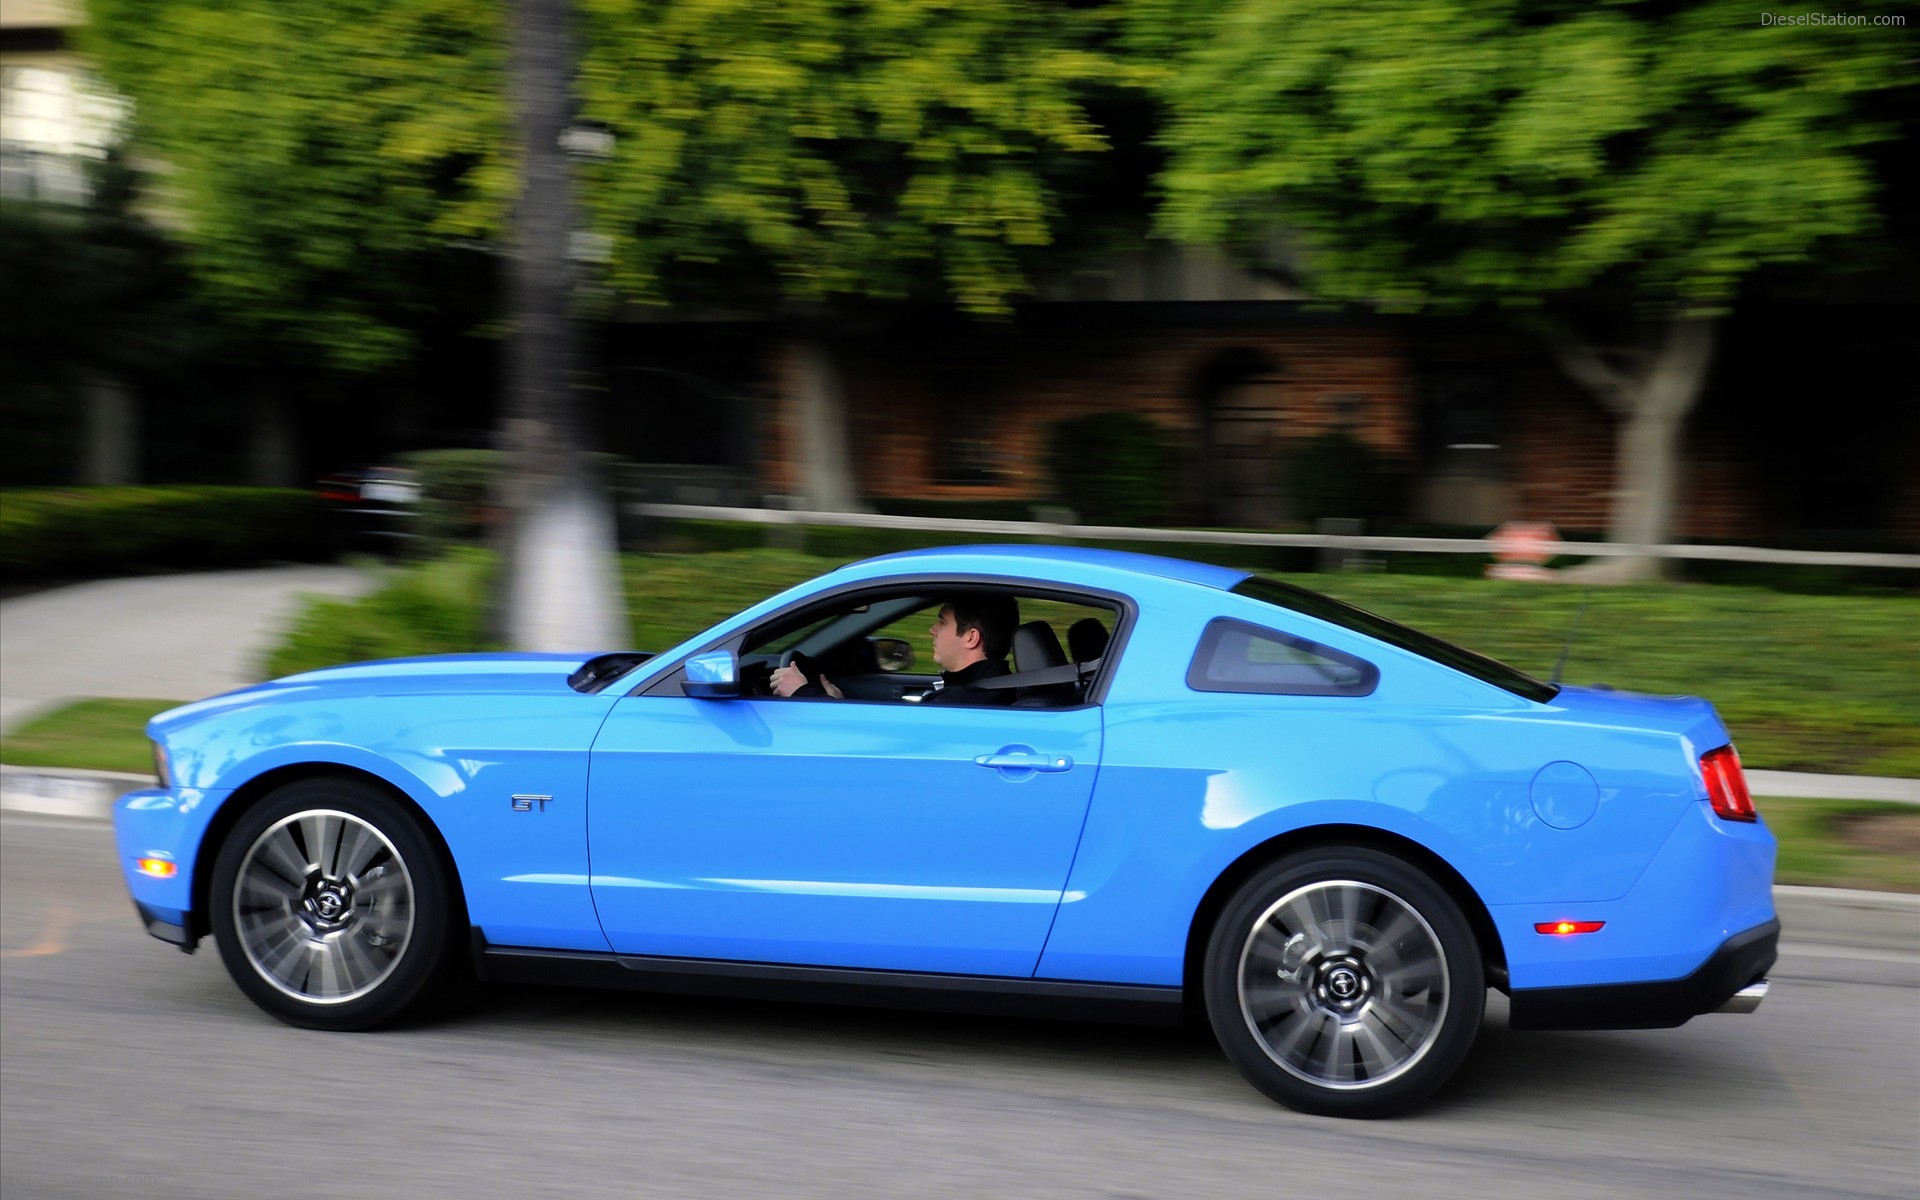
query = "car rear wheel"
x=1344 y=982
x=330 y=906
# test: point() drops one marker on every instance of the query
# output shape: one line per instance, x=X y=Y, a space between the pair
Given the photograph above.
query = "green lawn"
x=99 y=735
x=1805 y=682
x=1845 y=843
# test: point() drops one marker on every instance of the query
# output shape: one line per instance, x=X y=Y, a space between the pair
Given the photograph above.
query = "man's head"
x=971 y=628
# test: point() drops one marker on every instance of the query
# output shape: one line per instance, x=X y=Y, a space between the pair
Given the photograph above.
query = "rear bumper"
x=1741 y=960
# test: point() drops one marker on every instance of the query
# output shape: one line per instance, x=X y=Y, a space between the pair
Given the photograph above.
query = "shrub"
x=436 y=607
x=1111 y=468
x=50 y=533
x=1338 y=475
x=457 y=499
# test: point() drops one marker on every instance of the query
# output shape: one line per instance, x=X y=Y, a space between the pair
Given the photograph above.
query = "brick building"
x=1781 y=449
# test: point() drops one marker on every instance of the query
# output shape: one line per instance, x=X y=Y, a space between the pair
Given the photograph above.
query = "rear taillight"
x=1727 y=785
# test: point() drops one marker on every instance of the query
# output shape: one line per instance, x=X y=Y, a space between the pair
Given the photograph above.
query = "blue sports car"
x=1123 y=784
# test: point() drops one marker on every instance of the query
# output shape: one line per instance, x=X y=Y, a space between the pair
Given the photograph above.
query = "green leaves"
x=321 y=152
x=317 y=152
x=1509 y=152
x=897 y=148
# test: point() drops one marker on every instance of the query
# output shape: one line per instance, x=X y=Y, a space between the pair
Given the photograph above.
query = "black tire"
x=331 y=907
x=1344 y=982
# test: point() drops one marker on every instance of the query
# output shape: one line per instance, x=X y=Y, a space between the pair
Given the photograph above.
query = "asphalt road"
x=127 y=1068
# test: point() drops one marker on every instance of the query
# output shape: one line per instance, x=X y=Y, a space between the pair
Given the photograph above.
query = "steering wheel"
x=808 y=667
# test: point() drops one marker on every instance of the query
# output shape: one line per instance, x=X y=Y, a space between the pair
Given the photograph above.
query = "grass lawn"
x=1805 y=682
x=1845 y=843
x=99 y=735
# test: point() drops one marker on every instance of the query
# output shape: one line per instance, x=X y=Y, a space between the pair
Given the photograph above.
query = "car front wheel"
x=1344 y=982
x=330 y=906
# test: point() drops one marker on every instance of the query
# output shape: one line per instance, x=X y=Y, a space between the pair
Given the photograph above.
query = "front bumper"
x=165 y=930
x=168 y=824
x=1741 y=961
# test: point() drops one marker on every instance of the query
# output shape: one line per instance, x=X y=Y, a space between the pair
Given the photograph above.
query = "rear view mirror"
x=712 y=676
x=892 y=654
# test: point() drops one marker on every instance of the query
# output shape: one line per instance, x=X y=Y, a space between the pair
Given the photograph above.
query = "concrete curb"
x=1882 y=926
x=65 y=791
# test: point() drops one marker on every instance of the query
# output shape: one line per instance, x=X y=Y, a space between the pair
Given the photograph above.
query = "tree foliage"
x=1512 y=151
x=320 y=155
x=888 y=148
x=324 y=156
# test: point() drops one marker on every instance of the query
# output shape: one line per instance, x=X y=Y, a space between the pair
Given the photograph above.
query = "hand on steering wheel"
x=796 y=670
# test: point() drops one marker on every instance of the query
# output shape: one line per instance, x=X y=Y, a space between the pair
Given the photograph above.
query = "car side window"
x=1235 y=656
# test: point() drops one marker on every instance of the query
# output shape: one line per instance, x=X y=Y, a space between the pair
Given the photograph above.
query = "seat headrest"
x=1036 y=647
x=1087 y=639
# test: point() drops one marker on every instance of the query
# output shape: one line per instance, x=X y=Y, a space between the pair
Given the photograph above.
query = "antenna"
x=1568 y=648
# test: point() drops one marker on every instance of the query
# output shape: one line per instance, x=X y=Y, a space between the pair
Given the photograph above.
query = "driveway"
x=163 y=637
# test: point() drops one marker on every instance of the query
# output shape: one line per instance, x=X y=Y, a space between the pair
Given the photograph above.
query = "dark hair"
x=995 y=616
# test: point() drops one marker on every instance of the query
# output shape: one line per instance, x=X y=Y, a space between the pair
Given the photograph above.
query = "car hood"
x=1688 y=716
x=490 y=674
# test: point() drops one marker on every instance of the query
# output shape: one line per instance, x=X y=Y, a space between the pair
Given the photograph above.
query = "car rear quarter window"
x=1235 y=656
x=1337 y=612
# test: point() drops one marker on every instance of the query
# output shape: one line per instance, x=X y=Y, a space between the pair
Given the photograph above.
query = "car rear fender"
x=1435 y=866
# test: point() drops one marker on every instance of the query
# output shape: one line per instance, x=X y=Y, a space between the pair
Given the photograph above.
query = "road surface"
x=128 y=1068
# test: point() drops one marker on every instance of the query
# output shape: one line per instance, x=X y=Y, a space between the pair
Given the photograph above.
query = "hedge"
x=54 y=533
x=1112 y=468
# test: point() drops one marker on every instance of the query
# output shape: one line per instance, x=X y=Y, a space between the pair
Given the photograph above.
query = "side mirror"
x=712 y=676
x=892 y=654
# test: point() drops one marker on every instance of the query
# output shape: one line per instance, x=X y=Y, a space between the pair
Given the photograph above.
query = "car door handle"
x=1024 y=762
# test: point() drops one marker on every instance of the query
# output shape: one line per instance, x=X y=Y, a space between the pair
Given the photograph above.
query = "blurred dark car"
x=372 y=508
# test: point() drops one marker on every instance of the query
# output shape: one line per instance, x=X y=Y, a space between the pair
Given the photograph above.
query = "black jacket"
x=953 y=687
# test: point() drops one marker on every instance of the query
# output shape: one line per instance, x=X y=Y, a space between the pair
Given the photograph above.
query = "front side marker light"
x=1563 y=928
x=158 y=868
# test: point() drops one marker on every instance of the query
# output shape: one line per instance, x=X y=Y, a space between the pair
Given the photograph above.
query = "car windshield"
x=1326 y=608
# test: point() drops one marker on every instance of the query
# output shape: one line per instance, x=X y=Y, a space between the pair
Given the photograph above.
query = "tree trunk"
x=113 y=431
x=1650 y=400
x=827 y=482
x=561 y=589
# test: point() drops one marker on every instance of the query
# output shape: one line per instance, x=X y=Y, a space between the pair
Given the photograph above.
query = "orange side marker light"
x=159 y=868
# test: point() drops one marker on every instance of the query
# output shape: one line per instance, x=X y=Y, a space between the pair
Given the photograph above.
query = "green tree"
x=813 y=152
x=803 y=156
x=1614 y=174
x=319 y=155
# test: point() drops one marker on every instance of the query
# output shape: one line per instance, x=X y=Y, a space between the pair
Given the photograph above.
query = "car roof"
x=1046 y=559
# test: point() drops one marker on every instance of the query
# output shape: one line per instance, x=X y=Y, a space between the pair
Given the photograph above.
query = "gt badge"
x=526 y=803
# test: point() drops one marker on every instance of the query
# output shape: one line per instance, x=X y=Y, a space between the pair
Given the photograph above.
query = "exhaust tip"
x=1746 y=999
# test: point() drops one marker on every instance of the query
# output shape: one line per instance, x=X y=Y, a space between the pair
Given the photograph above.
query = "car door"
x=840 y=833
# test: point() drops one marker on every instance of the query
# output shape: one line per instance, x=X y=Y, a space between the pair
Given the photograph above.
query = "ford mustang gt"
x=1194 y=793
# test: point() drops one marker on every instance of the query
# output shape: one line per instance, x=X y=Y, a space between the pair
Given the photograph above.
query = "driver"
x=971 y=637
